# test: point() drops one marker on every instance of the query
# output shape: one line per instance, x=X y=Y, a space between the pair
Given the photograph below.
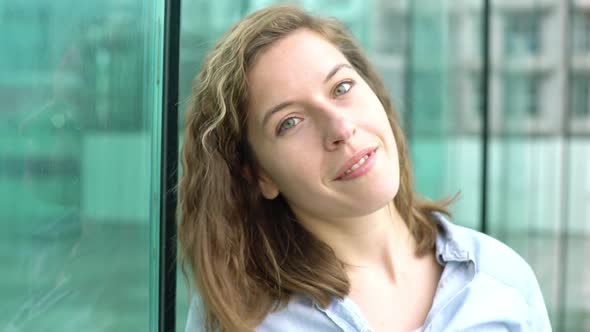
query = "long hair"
x=247 y=254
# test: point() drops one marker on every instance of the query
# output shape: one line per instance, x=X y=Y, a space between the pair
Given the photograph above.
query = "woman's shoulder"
x=498 y=273
x=299 y=314
x=489 y=255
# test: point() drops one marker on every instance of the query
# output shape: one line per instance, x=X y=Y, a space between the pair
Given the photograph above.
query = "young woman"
x=297 y=206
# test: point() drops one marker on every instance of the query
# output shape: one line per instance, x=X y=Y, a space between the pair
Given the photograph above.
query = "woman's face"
x=319 y=133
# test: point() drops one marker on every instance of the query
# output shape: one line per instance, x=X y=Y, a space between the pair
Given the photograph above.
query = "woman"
x=298 y=211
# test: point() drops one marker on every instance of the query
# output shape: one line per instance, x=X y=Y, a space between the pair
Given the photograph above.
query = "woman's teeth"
x=357 y=165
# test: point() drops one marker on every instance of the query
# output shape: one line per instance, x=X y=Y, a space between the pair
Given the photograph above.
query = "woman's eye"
x=288 y=124
x=342 y=88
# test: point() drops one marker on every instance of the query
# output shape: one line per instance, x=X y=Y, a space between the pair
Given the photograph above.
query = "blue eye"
x=288 y=124
x=342 y=88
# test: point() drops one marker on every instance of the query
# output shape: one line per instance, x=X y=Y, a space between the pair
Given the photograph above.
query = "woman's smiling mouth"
x=358 y=165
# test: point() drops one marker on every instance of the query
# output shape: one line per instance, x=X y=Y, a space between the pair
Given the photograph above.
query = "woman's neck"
x=376 y=243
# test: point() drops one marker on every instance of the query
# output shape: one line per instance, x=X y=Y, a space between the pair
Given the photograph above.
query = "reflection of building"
x=529 y=62
x=90 y=61
x=79 y=135
x=580 y=67
x=538 y=181
x=389 y=37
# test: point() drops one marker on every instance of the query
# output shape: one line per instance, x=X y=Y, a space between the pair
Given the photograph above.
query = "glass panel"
x=79 y=164
x=430 y=55
x=537 y=200
x=576 y=238
x=521 y=213
x=445 y=120
x=575 y=229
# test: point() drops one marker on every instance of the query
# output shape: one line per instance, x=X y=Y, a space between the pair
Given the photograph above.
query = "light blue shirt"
x=485 y=286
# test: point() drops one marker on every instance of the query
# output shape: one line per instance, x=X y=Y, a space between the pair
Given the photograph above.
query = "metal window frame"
x=169 y=168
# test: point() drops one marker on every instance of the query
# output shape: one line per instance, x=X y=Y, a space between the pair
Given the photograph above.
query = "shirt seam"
x=507 y=285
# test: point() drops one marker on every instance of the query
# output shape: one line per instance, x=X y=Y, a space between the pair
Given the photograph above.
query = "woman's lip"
x=362 y=169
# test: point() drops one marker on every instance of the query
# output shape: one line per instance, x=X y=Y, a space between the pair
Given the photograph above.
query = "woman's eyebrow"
x=274 y=110
x=335 y=70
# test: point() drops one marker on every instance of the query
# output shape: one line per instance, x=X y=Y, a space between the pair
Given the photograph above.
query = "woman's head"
x=284 y=106
x=231 y=85
x=311 y=119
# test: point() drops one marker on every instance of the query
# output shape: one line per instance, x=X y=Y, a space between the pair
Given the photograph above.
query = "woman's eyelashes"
x=341 y=88
x=287 y=124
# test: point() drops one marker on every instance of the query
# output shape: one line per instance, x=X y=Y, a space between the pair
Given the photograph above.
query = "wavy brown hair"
x=247 y=254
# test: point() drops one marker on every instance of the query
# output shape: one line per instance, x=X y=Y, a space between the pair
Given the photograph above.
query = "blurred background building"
x=80 y=129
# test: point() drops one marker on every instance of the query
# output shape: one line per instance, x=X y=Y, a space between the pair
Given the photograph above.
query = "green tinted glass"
x=80 y=134
x=79 y=165
x=430 y=56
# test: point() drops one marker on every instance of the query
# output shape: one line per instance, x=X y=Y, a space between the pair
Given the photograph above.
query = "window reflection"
x=522 y=96
x=522 y=33
x=78 y=90
x=580 y=92
x=581 y=32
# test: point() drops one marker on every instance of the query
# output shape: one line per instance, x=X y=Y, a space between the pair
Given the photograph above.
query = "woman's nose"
x=338 y=130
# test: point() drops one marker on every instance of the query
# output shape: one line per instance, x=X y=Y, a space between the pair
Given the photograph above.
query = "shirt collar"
x=452 y=243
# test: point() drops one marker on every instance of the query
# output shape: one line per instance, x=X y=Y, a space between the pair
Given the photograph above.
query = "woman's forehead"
x=301 y=54
x=302 y=59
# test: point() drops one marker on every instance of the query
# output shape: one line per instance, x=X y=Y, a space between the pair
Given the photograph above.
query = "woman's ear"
x=267 y=186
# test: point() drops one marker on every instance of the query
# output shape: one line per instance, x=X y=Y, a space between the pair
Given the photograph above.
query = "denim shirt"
x=485 y=286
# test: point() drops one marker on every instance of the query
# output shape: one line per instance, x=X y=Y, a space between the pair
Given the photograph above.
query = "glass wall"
x=431 y=56
x=79 y=164
x=80 y=136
